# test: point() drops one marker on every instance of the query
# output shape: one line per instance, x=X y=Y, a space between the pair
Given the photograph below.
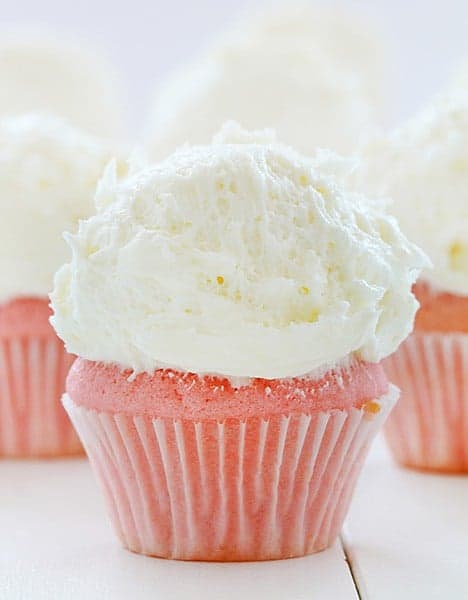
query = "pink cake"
x=33 y=368
x=195 y=469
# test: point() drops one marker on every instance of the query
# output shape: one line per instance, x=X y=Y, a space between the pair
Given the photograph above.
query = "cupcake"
x=48 y=172
x=229 y=308
x=314 y=74
x=423 y=167
x=43 y=73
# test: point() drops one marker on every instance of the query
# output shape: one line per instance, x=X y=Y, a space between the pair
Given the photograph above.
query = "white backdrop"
x=146 y=38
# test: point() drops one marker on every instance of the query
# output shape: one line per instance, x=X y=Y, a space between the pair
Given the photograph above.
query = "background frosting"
x=423 y=168
x=314 y=75
x=48 y=175
x=42 y=73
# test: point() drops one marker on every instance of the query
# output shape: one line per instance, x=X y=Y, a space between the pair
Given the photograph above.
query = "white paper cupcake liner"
x=234 y=490
x=32 y=379
x=429 y=427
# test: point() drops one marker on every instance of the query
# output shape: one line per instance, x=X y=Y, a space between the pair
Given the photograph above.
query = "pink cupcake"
x=423 y=168
x=229 y=308
x=429 y=428
x=33 y=368
x=48 y=172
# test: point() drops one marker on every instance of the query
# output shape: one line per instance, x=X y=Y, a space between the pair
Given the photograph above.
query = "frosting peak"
x=242 y=259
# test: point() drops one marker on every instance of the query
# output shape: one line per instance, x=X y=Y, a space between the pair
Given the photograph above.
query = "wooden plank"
x=56 y=542
x=406 y=535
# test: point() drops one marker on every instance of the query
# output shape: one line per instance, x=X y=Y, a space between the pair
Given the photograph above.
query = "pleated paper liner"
x=33 y=422
x=235 y=490
x=429 y=427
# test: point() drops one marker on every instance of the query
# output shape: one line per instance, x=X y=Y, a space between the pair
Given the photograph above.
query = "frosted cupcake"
x=229 y=307
x=312 y=74
x=48 y=172
x=423 y=167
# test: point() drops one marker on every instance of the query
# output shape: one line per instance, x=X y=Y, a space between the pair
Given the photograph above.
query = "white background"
x=145 y=39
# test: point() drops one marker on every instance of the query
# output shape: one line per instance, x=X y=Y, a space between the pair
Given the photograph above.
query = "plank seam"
x=349 y=563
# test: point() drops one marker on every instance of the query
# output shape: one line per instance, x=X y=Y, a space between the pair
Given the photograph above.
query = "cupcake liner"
x=429 y=427
x=250 y=489
x=32 y=379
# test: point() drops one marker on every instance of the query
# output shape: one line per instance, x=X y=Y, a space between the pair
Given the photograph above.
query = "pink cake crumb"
x=172 y=394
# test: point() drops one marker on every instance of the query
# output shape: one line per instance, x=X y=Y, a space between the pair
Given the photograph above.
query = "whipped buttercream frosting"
x=423 y=168
x=312 y=74
x=42 y=73
x=240 y=258
x=48 y=175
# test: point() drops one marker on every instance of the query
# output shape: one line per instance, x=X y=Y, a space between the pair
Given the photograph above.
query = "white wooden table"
x=406 y=537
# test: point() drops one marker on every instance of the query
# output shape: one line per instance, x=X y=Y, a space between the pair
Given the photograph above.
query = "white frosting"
x=40 y=73
x=311 y=75
x=48 y=176
x=423 y=168
x=243 y=259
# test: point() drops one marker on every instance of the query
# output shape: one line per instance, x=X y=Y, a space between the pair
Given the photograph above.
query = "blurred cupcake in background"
x=423 y=168
x=229 y=307
x=312 y=74
x=48 y=174
x=42 y=73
